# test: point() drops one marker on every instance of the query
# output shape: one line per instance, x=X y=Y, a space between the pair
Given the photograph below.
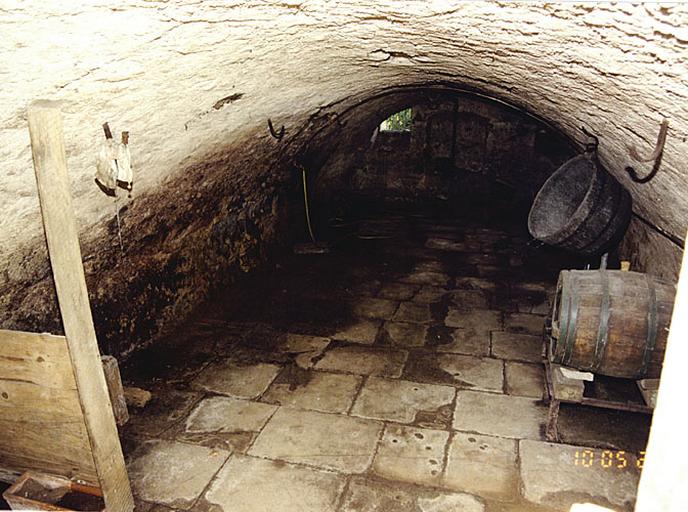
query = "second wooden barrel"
x=611 y=322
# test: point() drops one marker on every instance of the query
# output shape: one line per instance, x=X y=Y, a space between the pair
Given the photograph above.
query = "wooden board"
x=61 y=233
x=41 y=423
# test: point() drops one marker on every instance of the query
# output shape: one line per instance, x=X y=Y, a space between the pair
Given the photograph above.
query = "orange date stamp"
x=610 y=459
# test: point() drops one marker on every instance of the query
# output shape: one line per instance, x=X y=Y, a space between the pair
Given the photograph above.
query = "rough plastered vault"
x=195 y=82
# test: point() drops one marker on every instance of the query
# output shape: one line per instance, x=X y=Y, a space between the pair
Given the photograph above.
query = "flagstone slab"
x=328 y=441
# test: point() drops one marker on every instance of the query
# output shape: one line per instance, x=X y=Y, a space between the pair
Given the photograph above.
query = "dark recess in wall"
x=462 y=150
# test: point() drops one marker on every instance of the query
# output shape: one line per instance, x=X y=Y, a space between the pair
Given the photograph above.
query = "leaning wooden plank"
x=41 y=423
x=50 y=165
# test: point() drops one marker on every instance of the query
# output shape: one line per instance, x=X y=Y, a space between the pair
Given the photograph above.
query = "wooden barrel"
x=611 y=322
x=581 y=208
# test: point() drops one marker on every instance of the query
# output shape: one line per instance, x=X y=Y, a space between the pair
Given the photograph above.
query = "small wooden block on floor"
x=648 y=388
x=570 y=390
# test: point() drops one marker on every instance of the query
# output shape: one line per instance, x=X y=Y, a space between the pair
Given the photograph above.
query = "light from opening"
x=399 y=122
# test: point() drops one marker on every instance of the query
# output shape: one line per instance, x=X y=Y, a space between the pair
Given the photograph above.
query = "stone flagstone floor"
x=401 y=372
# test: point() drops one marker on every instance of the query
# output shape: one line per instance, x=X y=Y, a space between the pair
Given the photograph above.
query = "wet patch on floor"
x=400 y=444
x=403 y=401
x=314 y=390
x=459 y=370
x=166 y=408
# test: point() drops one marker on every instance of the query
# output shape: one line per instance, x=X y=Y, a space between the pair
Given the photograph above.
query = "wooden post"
x=664 y=480
x=50 y=164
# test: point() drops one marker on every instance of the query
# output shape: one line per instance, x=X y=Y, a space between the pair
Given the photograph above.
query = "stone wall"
x=649 y=250
x=195 y=83
x=467 y=151
x=196 y=233
x=459 y=147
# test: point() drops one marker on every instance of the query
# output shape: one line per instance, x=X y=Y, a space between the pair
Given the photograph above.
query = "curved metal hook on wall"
x=276 y=135
x=655 y=156
x=591 y=146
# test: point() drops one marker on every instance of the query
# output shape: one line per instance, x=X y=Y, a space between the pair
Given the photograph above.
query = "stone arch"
x=196 y=83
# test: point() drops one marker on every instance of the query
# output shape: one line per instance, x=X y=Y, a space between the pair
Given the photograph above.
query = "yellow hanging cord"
x=305 y=201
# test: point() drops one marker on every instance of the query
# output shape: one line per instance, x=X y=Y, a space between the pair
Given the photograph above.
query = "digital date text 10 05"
x=607 y=459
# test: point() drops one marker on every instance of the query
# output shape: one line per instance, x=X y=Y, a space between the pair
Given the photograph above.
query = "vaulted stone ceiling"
x=195 y=83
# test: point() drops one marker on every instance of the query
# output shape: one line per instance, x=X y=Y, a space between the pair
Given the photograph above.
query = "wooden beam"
x=664 y=480
x=50 y=165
